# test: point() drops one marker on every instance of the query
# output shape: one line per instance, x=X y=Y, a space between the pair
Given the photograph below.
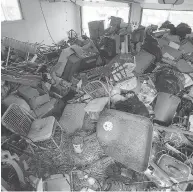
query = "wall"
x=60 y=17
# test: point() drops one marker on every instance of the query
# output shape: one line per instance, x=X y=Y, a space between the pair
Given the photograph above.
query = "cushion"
x=59 y=183
x=187 y=47
x=44 y=109
x=38 y=101
x=27 y=92
x=176 y=54
x=184 y=66
x=72 y=117
x=162 y=41
x=17 y=100
x=174 y=38
x=96 y=105
x=41 y=129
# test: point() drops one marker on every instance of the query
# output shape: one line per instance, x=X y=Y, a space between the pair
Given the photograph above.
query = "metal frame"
x=32 y=119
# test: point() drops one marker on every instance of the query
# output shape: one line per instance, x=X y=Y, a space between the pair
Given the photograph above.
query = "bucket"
x=166 y=106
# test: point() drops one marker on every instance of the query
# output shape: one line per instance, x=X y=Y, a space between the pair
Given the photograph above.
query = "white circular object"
x=91 y=181
x=108 y=126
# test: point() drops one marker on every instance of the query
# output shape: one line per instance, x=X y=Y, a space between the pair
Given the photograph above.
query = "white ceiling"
x=149 y=4
x=153 y=4
x=156 y=1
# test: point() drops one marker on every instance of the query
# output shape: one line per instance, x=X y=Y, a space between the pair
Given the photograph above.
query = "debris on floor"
x=114 y=113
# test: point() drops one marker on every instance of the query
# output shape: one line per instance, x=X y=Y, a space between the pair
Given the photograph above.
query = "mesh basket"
x=16 y=120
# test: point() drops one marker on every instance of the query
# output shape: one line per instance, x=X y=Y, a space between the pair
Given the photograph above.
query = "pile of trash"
x=73 y=120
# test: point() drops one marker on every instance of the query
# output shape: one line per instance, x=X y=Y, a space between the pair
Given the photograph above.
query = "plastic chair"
x=56 y=182
x=45 y=133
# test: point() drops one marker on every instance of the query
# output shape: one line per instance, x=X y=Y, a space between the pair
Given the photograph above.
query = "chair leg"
x=31 y=149
x=58 y=147
x=61 y=132
x=55 y=143
x=7 y=60
x=58 y=124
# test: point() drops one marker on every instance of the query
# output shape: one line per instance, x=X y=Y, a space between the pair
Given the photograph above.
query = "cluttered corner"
x=113 y=112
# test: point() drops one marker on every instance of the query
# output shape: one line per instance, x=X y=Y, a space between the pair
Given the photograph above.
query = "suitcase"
x=126 y=137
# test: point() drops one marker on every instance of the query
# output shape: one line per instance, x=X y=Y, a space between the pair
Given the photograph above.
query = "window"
x=10 y=10
x=90 y=13
x=157 y=17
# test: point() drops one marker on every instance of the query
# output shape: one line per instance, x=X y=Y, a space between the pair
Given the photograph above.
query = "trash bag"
x=151 y=45
x=167 y=81
x=183 y=29
x=168 y=25
x=132 y=105
x=185 y=107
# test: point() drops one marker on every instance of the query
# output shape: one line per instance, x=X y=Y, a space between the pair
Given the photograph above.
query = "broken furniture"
x=169 y=171
x=175 y=169
x=76 y=65
x=96 y=106
x=96 y=29
x=12 y=160
x=24 y=79
x=60 y=90
x=74 y=60
x=110 y=46
x=45 y=133
x=56 y=182
x=143 y=61
x=40 y=101
x=96 y=89
x=25 y=47
x=72 y=117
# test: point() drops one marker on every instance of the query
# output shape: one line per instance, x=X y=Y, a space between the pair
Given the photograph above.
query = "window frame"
x=17 y=20
x=161 y=10
x=81 y=15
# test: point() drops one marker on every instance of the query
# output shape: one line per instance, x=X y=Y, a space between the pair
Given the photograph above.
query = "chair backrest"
x=96 y=89
x=17 y=120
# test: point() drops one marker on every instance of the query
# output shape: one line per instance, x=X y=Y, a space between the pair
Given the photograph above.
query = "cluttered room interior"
x=96 y=95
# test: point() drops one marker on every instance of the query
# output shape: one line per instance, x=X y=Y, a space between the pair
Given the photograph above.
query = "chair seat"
x=41 y=129
x=56 y=183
